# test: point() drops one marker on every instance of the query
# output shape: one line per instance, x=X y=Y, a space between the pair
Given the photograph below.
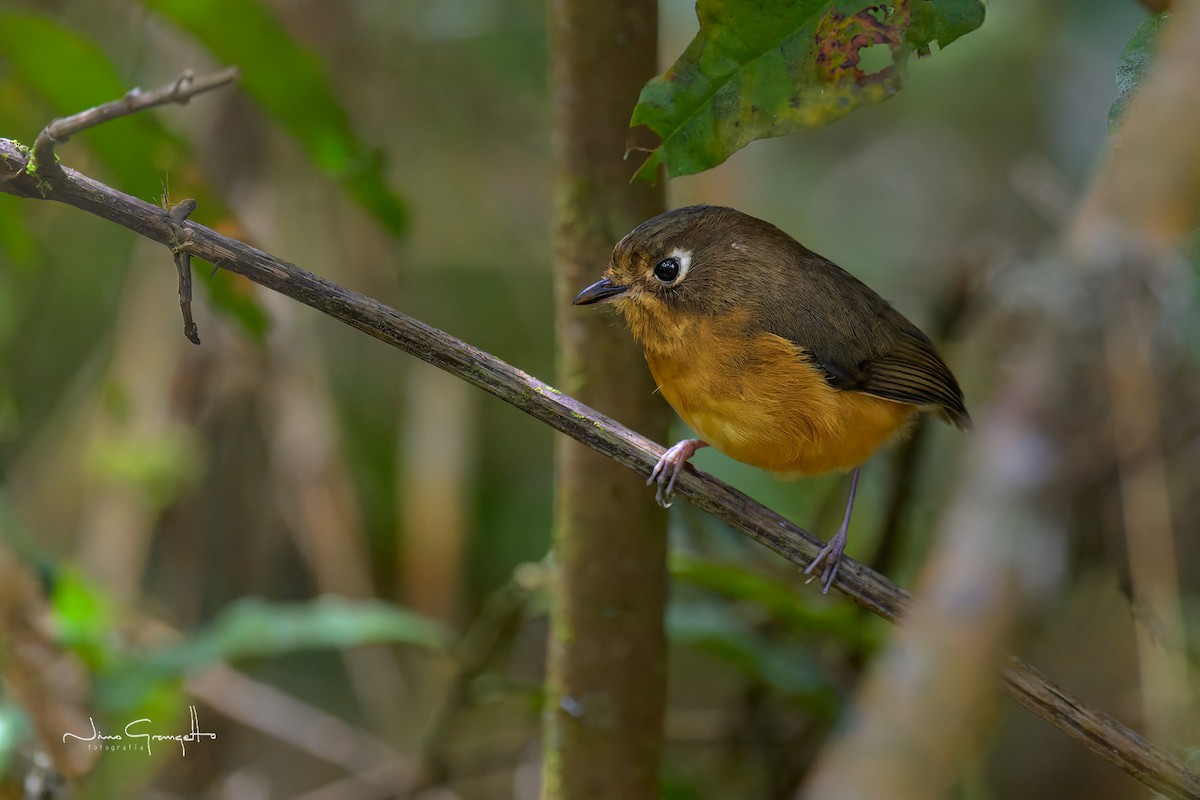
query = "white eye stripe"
x=684 y=257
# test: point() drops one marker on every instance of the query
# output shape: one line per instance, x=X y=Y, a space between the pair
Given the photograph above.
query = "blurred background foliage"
x=181 y=507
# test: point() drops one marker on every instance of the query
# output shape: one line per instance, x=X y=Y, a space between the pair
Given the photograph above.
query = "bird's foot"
x=831 y=554
x=831 y=557
x=667 y=470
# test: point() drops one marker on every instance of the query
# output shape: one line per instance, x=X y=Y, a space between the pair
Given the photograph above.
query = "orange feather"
x=763 y=402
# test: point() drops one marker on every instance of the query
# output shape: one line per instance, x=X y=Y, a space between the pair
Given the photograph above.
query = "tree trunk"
x=607 y=653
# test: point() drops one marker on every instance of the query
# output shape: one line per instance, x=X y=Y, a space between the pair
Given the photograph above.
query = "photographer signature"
x=134 y=732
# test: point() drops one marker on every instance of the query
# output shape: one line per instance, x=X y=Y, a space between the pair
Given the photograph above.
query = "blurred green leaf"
x=83 y=617
x=679 y=787
x=136 y=149
x=757 y=70
x=11 y=424
x=17 y=244
x=232 y=295
x=123 y=693
x=290 y=82
x=158 y=467
x=255 y=628
x=784 y=666
x=781 y=601
x=1135 y=62
x=943 y=21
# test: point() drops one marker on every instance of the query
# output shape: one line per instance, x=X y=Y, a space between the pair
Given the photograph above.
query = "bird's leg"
x=667 y=470
x=831 y=554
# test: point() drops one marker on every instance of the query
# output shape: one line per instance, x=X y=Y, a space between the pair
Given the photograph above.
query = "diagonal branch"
x=1097 y=731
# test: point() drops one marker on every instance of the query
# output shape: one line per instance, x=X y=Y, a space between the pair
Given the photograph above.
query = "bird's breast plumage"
x=758 y=398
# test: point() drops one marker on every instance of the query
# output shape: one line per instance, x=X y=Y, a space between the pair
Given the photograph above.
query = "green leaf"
x=157 y=467
x=290 y=82
x=84 y=618
x=757 y=70
x=779 y=600
x=136 y=150
x=17 y=244
x=1135 y=62
x=784 y=666
x=255 y=628
x=943 y=21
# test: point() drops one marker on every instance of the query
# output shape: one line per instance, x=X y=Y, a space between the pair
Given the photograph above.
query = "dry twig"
x=60 y=130
x=183 y=265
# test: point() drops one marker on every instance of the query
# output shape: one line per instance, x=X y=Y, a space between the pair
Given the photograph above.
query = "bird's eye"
x=667 y=270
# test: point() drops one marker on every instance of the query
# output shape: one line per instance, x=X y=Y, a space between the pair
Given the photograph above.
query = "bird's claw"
x=666 y=472
x=831 y=557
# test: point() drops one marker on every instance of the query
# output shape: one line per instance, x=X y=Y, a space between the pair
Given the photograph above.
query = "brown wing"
x=856 y=338
x=913 y=372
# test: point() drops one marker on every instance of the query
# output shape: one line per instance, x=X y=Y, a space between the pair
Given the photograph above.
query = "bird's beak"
x=602 y=289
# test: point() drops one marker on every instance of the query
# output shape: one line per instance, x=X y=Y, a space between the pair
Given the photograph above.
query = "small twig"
x=60 y=130
x=183 y=265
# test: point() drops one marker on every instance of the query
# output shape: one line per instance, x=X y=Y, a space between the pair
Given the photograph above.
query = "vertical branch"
x=1125 y=239
x=1167 y=699
x=607 y=654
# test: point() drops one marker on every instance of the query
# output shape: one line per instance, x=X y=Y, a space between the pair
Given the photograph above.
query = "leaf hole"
x=875 y=58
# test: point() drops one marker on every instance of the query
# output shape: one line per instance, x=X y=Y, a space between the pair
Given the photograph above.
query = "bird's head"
x=687 y=263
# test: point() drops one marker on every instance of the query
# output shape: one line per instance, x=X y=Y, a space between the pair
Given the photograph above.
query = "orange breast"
x=761 y=402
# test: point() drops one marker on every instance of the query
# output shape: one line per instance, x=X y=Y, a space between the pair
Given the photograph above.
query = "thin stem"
x=180 y=91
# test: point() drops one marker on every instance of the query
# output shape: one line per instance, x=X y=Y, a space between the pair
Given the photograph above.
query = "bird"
x=771 y=353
